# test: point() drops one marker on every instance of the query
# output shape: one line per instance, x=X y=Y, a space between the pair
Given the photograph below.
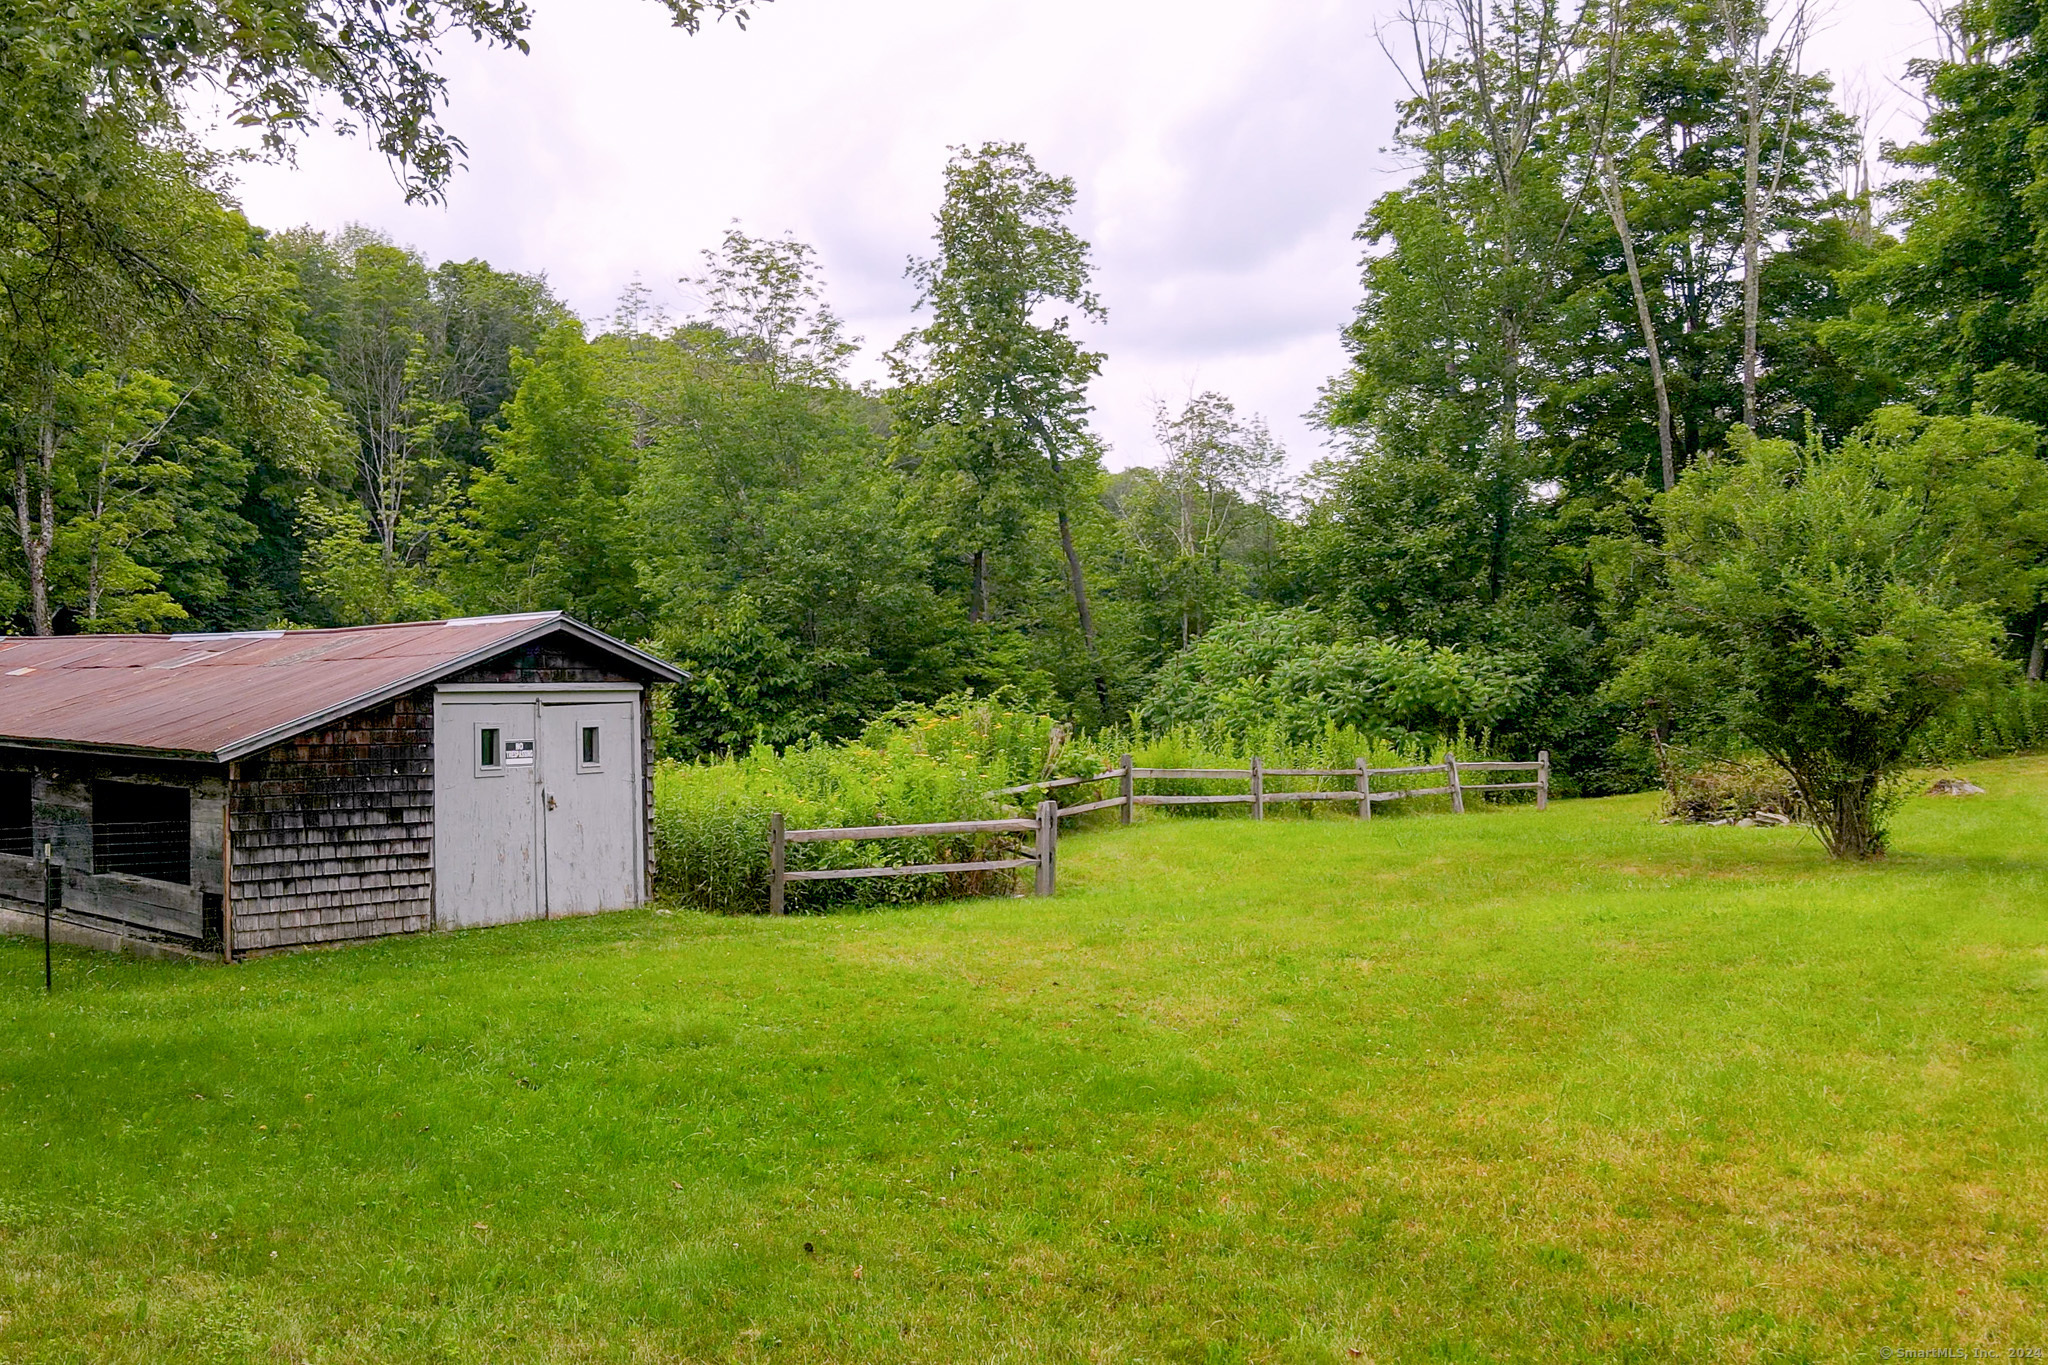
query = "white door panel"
x=590 y=779
x=486 y=813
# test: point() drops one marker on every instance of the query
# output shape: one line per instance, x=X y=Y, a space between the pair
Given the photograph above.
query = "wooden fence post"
x=1364 y=791
x=1457 y=792
x=1129 y=790
x=1048 y=846
x=1258 y=789
x=777 y=862
x=1542 y=779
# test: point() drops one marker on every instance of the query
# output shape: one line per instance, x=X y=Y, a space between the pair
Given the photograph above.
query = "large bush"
x=1296 y=672
x=1823 y=606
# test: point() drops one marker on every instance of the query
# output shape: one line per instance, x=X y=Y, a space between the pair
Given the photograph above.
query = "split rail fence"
x=1044 y=827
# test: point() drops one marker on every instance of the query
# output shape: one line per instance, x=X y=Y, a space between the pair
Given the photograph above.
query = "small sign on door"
x=519 y=753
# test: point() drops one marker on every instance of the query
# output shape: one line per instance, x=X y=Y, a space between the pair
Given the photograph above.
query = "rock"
x=1955 y=786
x=1745 y=823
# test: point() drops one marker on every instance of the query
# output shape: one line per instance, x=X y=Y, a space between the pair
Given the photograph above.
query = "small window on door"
x=490 y=753
x=592 y=753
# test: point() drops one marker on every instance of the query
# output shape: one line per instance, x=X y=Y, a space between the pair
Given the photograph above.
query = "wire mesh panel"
x=143 y=830
x=17 y=814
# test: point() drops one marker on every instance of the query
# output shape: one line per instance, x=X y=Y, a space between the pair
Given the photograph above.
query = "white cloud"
x=1224 y=154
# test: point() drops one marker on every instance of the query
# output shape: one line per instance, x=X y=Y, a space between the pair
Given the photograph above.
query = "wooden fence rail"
x=1044 y=827
x=1258 y=797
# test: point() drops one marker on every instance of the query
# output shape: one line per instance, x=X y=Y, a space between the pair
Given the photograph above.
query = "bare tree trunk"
x=1510 y=444
x=1610 y=191
x=1747 y=27
x=1074 y=576
x=1752 y=243
x=93 y=570
x=38 y=528
x=2037 y=653
x=1080 y=586
x=977 y=604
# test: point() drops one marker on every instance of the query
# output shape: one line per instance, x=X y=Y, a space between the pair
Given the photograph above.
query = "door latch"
x=551 y=802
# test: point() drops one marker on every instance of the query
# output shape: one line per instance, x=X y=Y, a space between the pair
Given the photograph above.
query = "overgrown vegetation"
x=946 y=762
x=2012 y=719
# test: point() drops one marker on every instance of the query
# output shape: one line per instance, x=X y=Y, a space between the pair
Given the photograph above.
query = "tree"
x=1185 y=519
x=767 y=295
x=1959 y=308
x=83 y=338
x=778 y=548
x=1764 y=50
x=63 y=64
x=546 y=526
x=1822 y=605
x=998 y=369
x=1607 y=183
x=422 y=359
x=1660 y=314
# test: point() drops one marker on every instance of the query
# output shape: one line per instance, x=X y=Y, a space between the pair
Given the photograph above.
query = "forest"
x=1672 y=409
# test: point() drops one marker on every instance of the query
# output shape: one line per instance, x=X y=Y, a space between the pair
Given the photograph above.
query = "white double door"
x=537 y=807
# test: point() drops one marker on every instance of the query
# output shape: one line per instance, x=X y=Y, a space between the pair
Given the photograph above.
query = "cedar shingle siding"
x=544 y=661
x=334 y=831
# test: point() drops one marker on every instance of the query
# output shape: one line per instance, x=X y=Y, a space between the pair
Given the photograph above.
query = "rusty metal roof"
x=221 y=697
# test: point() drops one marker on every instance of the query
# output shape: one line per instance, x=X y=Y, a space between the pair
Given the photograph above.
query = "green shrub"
x=1296 y=672
x=915 y=766
x=2002 y=720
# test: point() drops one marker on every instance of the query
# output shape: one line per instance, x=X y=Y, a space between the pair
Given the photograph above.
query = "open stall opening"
x=143 y=830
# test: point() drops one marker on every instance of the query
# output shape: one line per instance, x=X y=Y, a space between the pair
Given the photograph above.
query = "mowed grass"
x=1567 y=1085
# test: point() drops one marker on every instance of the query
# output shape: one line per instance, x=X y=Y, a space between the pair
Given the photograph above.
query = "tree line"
x=1638 y=302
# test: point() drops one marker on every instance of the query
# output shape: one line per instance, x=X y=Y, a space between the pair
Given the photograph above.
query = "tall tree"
x=1659 y=293
x=779 y=549
x=1959 y=309
x=83 y=334
x=1185 y=518
x=1764 y=51
x=422 y=359
x=1461 y=294
x=998 y=369
x=546 y=526
x=1607 y=184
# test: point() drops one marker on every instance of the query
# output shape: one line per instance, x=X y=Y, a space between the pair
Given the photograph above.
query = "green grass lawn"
x=1566 y=1085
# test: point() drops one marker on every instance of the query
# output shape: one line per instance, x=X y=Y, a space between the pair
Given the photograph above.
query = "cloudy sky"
x=1224 y=153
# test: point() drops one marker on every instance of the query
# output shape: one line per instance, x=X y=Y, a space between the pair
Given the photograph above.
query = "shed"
x=258 y=790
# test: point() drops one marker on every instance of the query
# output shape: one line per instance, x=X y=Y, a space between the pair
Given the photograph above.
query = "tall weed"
x=917 y=765
x=2004 y=720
